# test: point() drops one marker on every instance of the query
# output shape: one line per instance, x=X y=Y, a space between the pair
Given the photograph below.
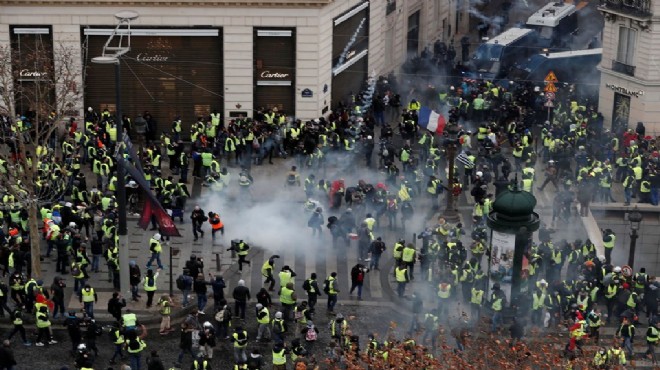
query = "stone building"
x=191 y=57
x=630 y=79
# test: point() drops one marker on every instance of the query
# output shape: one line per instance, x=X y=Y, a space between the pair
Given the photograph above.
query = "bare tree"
x=39 y=171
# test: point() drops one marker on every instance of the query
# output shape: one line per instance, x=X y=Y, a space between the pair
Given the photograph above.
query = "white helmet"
x=278 y=315
x=617 y=269
x=479 y=173
x=82 y=347
x=208 y=324
x=157 y=236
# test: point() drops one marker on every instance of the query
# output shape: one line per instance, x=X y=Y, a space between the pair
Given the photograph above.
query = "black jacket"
x=241 y=293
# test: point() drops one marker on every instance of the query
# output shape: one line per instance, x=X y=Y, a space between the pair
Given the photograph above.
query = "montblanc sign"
x=625 y=91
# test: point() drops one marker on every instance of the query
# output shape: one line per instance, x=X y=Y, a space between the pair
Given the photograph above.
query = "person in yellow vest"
x=444 y=293
x=43 y=327
x=287 y=299
x=165 y=304
x=601 y=359
x=409 y=257
x=476 y=302
x=149 y=284
x=88 y=297
x=414 y=106
x=617 y=356
x=134 y=346
x=280 y=353
x=497 y=303
x=402 y=278
x=240 y=340
x=609 y=241
x=652 y=336
x=117 y=338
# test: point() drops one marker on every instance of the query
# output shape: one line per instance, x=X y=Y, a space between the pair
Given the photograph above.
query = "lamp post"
x=635 y=219
x=124 y=17
x=451 y=146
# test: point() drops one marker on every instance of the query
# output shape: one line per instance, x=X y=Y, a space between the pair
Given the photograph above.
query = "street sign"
x=550 y=95
x=550 y=87
x=550 y=77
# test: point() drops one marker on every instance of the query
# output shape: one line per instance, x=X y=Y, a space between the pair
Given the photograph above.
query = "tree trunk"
x=35 y=239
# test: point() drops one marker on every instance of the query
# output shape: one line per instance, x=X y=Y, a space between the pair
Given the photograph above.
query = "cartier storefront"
x=275 y=69
x=168 y=72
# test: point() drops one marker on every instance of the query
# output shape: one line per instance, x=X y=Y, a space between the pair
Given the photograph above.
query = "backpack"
x=326 y=286
x=223 y=315
x=360 y=276
x=311 y=334
x=180 y=282
x=134 y=344
x=75 y=270
x=306 y=285
x=291 y=179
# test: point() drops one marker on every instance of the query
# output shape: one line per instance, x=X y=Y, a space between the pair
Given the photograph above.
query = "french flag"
x=431 y=120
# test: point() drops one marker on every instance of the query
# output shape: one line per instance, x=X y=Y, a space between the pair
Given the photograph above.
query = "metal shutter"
x=168 y=76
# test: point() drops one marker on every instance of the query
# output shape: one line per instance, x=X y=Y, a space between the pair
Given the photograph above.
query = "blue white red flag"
x=431 y=120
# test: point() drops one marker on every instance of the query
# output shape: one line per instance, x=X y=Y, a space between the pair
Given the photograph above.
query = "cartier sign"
x=147 y=58
x=28 y=73
x=270 y=75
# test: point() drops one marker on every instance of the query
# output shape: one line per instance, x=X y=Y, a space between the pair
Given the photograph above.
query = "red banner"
x=165 y=223
x=145 y=218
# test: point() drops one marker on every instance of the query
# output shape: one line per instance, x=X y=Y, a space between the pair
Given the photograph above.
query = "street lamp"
x=124 y=17
x=635 y=219
x=451 y=144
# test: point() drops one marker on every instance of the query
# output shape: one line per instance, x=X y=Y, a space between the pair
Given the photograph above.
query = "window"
x=626 y=51
x=391 y=6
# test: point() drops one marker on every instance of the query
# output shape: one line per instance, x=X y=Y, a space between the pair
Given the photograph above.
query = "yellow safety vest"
x=286 y=296
x=88 y=296
x=279 y=358
x=444 y=293
x=401 y=274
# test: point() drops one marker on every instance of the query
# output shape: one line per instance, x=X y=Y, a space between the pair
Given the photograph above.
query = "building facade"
x=630 y=68
x=190 y=58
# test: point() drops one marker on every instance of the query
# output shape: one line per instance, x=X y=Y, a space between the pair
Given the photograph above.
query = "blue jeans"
x=89 y=309
x=375 y=258
x=627 y=345
x=654 y=196
x=186 y=292
x=78 y=285
x=201 y=301
x=135 y=361
x=497 y=320
x=627 y=192
x=332 y=301
x=134 y=291
x=156 y=257
x=183 y=352
x=118 y=348
x=359 y=289
x=96 y=259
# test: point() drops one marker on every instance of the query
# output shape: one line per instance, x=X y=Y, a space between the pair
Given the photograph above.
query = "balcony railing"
x=623 y=68
x=639 y=8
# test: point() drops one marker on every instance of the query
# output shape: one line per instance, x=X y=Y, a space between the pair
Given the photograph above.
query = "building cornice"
x=172 y=3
